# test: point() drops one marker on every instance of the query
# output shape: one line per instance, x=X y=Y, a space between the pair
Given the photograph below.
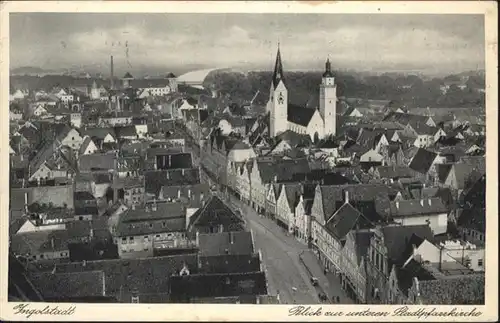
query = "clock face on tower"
x=280 y=98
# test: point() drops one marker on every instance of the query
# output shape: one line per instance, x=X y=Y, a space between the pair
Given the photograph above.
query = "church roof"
x=278 y=70
x=328 y=69
x=128 y=76
x=299 y=115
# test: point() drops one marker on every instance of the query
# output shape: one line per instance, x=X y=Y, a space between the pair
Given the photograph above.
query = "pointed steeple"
x=328 y=69
x=278 y=69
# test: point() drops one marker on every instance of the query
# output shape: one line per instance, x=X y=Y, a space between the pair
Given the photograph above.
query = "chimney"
x=346 y=196
x=422 y=203
x=179 y=193
x=197 y=238
x=52 y=243
x=397 y=204
x=189 y=193
x=231 y=237
x=112 y=74
x=91 y=233
x=169 y=160
x=153 y=206
x=430 y=202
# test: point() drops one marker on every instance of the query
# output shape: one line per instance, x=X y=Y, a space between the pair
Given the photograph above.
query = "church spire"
x=278 y=69
x=328 y=69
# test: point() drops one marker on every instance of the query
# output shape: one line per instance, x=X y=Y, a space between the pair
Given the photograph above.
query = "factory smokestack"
x=112 y=73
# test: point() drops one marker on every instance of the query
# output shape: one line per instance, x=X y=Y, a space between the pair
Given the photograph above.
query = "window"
x=480 y=263
x=41 y=256
x=63 y=254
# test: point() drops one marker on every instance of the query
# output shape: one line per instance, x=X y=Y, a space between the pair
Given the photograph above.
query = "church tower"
x=278 y=100
x=328 y=100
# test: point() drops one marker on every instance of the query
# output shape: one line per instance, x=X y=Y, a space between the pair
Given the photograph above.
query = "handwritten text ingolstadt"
x=403 y=311
x=25 y=309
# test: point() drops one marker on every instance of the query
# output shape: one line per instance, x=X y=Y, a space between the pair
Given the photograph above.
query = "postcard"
x=249 y=161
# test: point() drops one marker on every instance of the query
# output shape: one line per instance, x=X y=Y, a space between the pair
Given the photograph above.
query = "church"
x=318 y=123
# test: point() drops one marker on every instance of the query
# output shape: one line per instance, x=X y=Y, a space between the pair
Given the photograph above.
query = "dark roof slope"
x=422 y=161
x=299 y=115
x=226 y=243
x=215 y=212
x=396 y=237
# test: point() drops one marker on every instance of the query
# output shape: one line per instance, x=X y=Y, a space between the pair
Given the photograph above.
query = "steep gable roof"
x=454 y=290
x=423 y=160
x=417 y=207
x=299 y=115
x=226 y=243
x=215 y=212
x=343 y=221
x=396 y=238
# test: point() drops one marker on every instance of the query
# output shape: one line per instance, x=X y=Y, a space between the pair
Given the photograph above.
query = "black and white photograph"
x=315 y=159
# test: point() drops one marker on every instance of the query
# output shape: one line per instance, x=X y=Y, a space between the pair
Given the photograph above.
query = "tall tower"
x=112 y=84
x=328 y=100
x=278 y=100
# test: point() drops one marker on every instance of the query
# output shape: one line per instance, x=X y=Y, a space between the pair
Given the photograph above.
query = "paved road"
x=286 y=274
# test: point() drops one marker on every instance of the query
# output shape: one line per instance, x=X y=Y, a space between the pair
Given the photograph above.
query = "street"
x=287 y=275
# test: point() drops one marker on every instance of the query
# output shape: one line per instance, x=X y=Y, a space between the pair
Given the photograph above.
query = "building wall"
x=52 y=255
x=283 y=211
x=328 y=105
x=130 y=247
x=437 y=222
x=316 y=125
x=241 y=155
x=352 y=269
x=327 y=246
x=279 y=111
x=73 y=139
x=377 y=270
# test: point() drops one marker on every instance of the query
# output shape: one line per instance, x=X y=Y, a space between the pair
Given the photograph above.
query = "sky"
x=168 y=42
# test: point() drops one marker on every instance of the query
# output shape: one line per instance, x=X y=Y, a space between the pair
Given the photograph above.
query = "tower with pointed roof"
x=95 y=94
x=328 y=100
x=277 y=105
x=126 y=80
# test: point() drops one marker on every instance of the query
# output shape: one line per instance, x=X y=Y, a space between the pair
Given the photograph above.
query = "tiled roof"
x=299 y=115
x=168 y=217
x=281 y=169
x=155 y=180
x=473 y=218
x=456 y=290
x=99 y=133
x=395 y=171
x=478 y=163
x=32 y=243
x=79 y=229
x=126 y=131
x=226 y=243
x=394 y=236
x=465 y=175
x=408 y=208
x=343 y=221
x=292 y=193
x=422 y=161
x=295 y=139
x=371 y=199
x=94 y=162
x=183 y=288
x=60 y=285
x=443 y=170
x=215 y=212
x=145 y=277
